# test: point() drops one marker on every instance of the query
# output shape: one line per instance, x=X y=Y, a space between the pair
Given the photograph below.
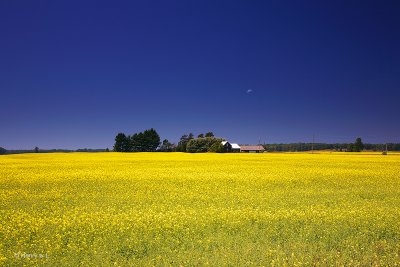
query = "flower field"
x=135 y=209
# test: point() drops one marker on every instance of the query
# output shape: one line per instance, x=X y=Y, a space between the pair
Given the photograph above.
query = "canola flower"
x=128 y=209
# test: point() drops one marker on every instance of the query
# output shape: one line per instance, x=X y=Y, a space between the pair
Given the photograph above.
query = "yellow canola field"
x=140 y=209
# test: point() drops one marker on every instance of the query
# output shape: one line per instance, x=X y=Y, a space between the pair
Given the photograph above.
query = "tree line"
x=358 y=145
x=146 y=141
x=149 y=141
x=203 y=143
x=37 y=150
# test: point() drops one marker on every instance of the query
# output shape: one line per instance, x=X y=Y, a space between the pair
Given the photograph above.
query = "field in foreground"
x=102 y=209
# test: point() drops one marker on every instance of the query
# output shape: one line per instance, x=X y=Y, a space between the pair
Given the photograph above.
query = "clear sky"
x=75 y=73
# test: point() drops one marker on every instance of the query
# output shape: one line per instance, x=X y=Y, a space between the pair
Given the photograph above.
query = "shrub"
x=201 y=145
x=217 y=148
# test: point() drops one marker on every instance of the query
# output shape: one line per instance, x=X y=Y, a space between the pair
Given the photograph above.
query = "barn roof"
x=259 y=148
x=235 y=146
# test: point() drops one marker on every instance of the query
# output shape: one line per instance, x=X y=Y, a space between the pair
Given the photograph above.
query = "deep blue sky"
x=74 y=74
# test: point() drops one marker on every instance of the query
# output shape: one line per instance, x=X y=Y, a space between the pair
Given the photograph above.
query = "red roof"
x=259 y=148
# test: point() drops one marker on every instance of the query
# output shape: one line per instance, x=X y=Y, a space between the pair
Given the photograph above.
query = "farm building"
x=230 y=147
x=235 y=147
x=252 y=149
x=227 y=146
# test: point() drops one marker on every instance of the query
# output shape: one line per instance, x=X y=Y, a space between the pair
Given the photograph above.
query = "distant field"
x=103 y=209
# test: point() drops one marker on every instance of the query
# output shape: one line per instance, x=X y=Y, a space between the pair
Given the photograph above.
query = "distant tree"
x=122 y=143
x=209 y=134
x=146 y=141
x=137 y=142
x=166 y=146
x=200 y=136
x=358 y=145
x=199 y=145
x=107 y=150
x=181 y=147
x=322 y=146
x=151 y=140
x=350 y=148
x=36 y=149
x=3 y=151
x=183 y=142
x=217 y=147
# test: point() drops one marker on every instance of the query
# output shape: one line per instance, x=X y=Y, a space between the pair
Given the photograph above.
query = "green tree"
x=181 y=147
x=200 y=136
x=358 y=145
x=166 y=146
x=200 y=145
x=137 y=142
x=36 y=149
x=146 y=141
x=151 y=140
x=217 y=147
x=183 y=142
x=209 y=134
x=350 y=148
x=122 y=143
x=3 y=151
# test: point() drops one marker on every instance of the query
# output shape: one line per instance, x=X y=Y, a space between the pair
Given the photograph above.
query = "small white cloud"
x=249 y=91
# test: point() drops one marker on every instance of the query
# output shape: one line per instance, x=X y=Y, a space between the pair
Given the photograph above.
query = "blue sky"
x=75 y=73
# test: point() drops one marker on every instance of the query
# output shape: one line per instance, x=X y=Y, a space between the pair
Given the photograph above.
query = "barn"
x=227 y=146
x=230 y=147
x=235 y=147
x=252 y=149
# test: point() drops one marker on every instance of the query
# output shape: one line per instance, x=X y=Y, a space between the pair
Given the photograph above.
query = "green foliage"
x=137 y=142
x=166 y=146
x=217 y=147
x=36 y=150
x=200 y=145
x=323 y=146
x=183 y=142
x=209 y=134
x=350 y=148
x=200 y=136
x=122 y=143
x=181 y=147
x=2 y=151
x=146 y=141
x=358 y=145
